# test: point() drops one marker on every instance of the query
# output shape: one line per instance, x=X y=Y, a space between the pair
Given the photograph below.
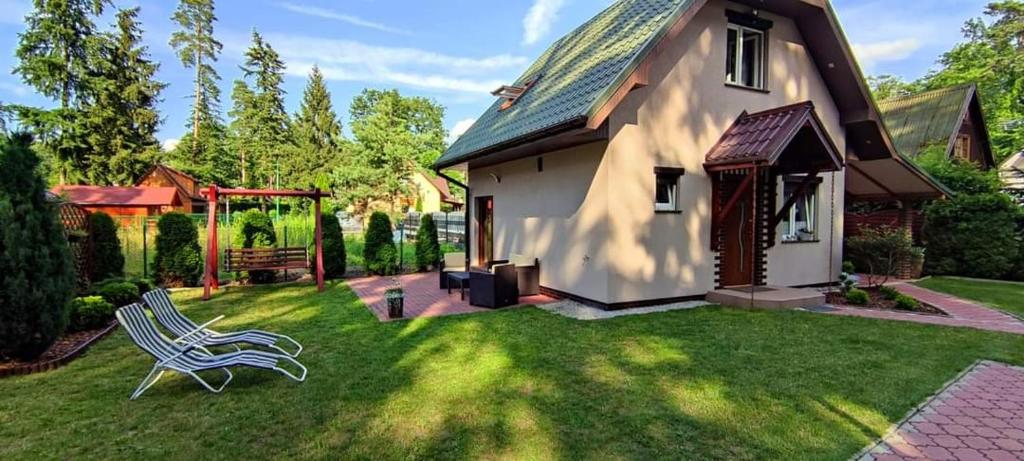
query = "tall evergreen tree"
x=122 y=118
x=198 y=50
x=317 y=133
x=270 y=122
x=243 y=129
x=53 y=55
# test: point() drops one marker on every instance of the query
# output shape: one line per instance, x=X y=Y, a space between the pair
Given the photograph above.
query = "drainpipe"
x=465 y=220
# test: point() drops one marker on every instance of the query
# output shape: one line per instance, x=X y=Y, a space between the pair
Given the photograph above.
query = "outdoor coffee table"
x=463 y=279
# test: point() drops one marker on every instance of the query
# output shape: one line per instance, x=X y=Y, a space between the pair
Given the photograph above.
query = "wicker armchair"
x=494 y=289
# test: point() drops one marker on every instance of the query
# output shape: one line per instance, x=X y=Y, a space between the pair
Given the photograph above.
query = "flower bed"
x=876 y=300
x=66 y=349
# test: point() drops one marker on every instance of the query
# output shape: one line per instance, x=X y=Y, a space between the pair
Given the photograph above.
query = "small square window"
x=801 y=224
x=666 y=189
x=962 y=147
x=744 y=57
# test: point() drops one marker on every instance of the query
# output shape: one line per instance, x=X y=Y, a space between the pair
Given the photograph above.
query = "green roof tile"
x=925 y=119
x=577 y=74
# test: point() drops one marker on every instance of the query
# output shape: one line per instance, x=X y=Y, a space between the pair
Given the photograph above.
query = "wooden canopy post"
x=210 y=280
x=319 y=243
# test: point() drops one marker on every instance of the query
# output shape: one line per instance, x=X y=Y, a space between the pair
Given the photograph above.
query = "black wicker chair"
x=498 y=288
x=528 y=273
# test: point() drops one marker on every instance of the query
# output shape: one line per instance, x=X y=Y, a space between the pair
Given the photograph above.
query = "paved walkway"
x=423 y=298
x=962 y=313
x=979 y=416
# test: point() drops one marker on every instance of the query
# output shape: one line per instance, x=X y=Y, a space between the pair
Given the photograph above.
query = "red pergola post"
x=210 y=279
x=319 y=244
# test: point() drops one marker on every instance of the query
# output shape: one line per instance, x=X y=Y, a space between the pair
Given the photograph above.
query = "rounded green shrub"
x=255 y=229
x=428 y=251
x=971 y=235
x=142 y=284
x=37 y=275
x=90 y=313
x=335 y=258
x=848 y=267
x=857 y=297
x=378 y=235
x=889 y=293
x=906 y=303
x=178 y=260
x=104 y=248
x=117 y=293
x=386 y=262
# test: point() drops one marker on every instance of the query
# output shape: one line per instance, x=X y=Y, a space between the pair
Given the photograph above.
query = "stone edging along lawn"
x=52 y=364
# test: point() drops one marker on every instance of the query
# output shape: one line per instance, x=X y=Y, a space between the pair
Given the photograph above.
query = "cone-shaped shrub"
x=105 y=257
x=255 y=229
x=178 y=260
x=428 y=251
x=378 y=235
x=335 y=258
x=37 y=278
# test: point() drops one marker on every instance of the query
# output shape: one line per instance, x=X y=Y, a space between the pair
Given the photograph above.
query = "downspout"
x=465 y=220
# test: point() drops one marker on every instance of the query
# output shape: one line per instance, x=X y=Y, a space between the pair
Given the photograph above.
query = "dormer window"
x=746 y=50
x=511 y=93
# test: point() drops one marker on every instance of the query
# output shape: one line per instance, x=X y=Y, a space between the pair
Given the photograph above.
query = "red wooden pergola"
x=212 y=193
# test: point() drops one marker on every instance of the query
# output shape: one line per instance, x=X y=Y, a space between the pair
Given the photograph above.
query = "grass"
x=1008 y=296
x=711 y=383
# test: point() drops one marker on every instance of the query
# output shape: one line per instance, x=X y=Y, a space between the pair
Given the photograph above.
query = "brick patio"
x=979 y=416
x=422 y=296
x=962 y=313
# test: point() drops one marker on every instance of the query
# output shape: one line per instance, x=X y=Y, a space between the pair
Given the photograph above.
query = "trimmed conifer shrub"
x=178 y=260
x=37 y=277
x=118 y=293
x=335 y=258
x=378 y=235
x=90 y=313
x=255 y=229
x=105 y=257
x=428 y=251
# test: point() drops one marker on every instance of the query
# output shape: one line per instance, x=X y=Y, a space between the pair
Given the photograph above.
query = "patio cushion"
x=455 y=262
x=522 y=260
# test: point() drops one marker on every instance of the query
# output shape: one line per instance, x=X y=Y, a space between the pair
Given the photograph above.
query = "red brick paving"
x=962 y=313
x=989 y=390
x=423 y=298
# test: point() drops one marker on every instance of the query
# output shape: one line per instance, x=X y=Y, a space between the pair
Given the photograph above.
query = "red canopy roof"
x=761 y=137
x=124 y=196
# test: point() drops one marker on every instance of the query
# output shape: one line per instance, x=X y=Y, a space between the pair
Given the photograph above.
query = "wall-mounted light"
x=496 y=178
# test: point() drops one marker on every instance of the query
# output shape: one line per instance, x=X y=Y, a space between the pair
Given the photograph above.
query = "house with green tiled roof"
x=950 y=119
x=668 y=150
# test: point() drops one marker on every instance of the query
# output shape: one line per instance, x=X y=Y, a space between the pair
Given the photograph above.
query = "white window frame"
x=737 y=77
x=810 y=199
x=673 y=195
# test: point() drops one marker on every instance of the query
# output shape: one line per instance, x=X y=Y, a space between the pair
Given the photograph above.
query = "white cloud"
x=891 y=50
x=336 y=16
x=460 y=129
x=538 y=20
x=169 y=144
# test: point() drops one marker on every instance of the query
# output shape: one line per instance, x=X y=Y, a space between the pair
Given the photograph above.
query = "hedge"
x=178 y=260
x=104 y=248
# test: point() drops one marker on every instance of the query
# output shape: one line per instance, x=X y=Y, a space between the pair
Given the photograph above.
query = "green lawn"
x=513 y=384
x=1008 y=296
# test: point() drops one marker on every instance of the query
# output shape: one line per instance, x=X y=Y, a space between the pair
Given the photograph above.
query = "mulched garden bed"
x=880 y=302
x=66 y=349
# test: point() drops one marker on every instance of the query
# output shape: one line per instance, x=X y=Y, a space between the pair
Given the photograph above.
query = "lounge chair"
x=172 y=319
x=188 y=357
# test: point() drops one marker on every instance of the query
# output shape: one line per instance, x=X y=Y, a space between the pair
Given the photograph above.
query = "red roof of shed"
x=124 y=196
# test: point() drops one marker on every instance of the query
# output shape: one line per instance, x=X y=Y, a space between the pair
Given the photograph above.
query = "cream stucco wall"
x=600 y=237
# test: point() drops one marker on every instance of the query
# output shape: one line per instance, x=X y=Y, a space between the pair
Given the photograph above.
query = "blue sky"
x=454 y=51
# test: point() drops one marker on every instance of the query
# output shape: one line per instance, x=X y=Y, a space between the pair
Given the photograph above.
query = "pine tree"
x=243 y=130
x=198 y=50
x=53 y=55
x=317 y=133
x=270 y=122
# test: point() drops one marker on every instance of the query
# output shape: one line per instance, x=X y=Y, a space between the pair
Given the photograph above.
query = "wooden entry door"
x=738 y=252
x=484 y=230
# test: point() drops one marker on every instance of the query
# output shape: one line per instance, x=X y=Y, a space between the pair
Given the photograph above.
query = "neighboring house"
x=947 y=117
x=667 y=148
x=122 y=201
x=187 y=186
x=1011 y=172
x=433 y=193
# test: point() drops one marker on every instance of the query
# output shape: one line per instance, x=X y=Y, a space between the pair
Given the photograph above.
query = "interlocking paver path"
x=962 y=313
x=980 y=416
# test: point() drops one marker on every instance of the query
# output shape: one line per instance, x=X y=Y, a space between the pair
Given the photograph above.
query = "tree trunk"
x=195 y=107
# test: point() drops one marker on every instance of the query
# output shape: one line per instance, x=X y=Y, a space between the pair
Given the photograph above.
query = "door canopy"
x=791 y=139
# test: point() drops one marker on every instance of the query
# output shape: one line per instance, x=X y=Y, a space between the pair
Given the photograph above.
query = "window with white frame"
x=666 y=189
x=744 y=58
x=801 y=222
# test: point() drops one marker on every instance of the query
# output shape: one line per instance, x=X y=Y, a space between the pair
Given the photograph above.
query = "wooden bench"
x=265 y=259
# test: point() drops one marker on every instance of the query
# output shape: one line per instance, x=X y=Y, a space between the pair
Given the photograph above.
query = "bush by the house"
x=378 y=235
x=857 y=297
x=117 y=293
x=105 y=257
x=37 y=278
x=889 y=293
x=255 y=229
x=971 y=235
x=144 y=285
x=335 y=258
x=848 y=267
x=178 y=260
x=90 y=313
x=878 y=252
x=386 y=261
x=906 y=303
x=428 y=251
